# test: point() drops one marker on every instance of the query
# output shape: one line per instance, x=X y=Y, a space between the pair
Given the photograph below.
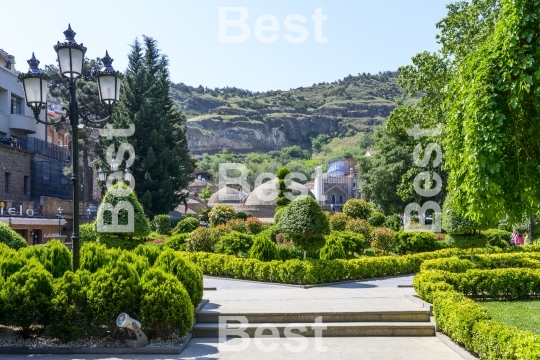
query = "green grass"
x=524 y=315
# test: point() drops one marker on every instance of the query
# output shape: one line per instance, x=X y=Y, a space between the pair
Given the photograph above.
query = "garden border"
x=161 y=350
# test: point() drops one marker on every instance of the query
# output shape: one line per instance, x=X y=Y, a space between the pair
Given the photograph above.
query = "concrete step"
x=331 y=329
x=420 y=315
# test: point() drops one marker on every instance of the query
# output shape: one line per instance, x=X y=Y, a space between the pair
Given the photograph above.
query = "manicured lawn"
x=524 y=315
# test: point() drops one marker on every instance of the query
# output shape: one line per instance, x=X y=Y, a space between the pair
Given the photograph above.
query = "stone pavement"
x=245 y=297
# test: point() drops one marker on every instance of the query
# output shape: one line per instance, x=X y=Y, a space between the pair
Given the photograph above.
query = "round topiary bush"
x=114 y=289
x=162 y=224
x=11 y=238
x=242 y=215
x=338 y=222
x=220 y=214
x=305 y=223
x=12 y=261
x=333 y=249
x=415 y=241
x=202 y=239
x=203 y=214
x=264 y=249
x=26 y=296
x=376 y=219
x=140 y=263
x=352 y=243
x=165 y=304
x=357 y=209
x=93 y=257
x=115 y=241
x=177 y=242
x=254 y=225
x=88 y=233
x=360 y=226
x=496 y=237
x=234 y=243
x=58 y=258
x=382 y=239
x=69 y=315
x=149 y=251
x=34 y=252
x=278 y=214
x=186 y=225
x=185 y=271
x=237 y=225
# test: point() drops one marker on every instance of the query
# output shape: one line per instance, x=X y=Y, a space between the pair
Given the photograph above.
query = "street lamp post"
x=70 y=60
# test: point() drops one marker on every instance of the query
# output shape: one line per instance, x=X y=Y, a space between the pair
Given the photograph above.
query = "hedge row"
x=469 y=324
x=322 y=271
x=494 y=261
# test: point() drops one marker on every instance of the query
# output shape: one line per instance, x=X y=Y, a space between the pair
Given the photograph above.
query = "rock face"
x=256 y=132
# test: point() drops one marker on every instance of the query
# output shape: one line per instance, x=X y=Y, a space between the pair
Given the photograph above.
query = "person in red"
x=518 y=238
x=185 y=205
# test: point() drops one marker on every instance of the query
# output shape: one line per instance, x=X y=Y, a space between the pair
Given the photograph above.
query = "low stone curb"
x=311 y=285
x=165 y=350
x=415 y=299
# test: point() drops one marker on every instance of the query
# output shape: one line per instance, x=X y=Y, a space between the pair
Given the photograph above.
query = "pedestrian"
x=519 y=238
x=185 y=205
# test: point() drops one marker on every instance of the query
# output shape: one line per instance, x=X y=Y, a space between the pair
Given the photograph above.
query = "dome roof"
x=226 y=195
x=267 y=193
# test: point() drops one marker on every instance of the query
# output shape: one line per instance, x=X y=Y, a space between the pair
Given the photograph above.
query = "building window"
x=26 y=185
x=341 y=199
x=7 y=180
x=59 y=143
x=16 y=105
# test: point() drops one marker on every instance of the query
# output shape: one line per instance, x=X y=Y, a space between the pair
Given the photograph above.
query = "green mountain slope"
x=242 y=121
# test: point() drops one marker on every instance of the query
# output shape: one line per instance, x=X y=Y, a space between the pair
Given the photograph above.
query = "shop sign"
x=13 y=211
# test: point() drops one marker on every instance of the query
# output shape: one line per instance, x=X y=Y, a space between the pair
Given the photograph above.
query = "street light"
x=71 y=59
x=88 y=211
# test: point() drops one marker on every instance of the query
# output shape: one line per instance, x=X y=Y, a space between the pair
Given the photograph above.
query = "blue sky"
x=362 y=36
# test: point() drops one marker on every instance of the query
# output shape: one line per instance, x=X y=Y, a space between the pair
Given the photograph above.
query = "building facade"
x=338 y=185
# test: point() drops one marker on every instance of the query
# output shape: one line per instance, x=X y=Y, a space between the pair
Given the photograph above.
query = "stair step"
x=330 y=329
x=420 y=315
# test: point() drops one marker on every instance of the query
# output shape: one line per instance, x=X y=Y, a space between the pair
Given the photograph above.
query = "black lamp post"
x=70 y=59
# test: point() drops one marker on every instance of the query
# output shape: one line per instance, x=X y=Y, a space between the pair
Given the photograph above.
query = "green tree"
x=206 y=193
x=162 y=162
x=492 y=143
x=305 y=223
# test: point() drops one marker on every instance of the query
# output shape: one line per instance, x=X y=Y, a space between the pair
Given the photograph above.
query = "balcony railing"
x=44 y=148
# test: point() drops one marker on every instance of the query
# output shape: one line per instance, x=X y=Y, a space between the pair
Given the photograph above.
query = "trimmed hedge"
x=11 y=238
x=415 y=241
x=264 y=249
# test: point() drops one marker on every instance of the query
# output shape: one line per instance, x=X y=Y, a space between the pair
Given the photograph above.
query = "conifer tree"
x=162 y=161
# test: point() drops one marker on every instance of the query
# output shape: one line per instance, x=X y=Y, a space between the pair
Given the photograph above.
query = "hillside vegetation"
x=242 y=121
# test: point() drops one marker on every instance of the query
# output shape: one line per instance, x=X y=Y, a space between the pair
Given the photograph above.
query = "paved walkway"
x=242 y=296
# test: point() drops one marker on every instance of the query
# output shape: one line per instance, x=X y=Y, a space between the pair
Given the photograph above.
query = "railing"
x=44 y=148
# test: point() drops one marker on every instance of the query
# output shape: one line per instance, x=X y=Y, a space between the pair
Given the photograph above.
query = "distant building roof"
x=370 y=153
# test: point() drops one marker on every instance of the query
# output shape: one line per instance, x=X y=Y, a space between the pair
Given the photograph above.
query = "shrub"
x=280 y=210
x=202 y=239
x=357 y=209
x=394 y=222
x=234 y=243
x=333 y=249
x=165 y=304
x=382 y=239
x=115 y=194
x=162 y=223
x=376 y=219
x=264 y=249
x=149 y=251
x=415 y=241
x=497 y=237
x=305 y=223
x=58 y=258
x=241 y=215
x=114 y=289
x=34 y=252
x=177 y=242
x=456 y=224
x=290 y=252
x=93 y=257
x=220 y=214
x=115 y=241
x=338 y=222
x=451 y=264
x=186 y=225
x=352 y=243
x=88 y=233
x=359 y=226
x=203 y=214
x=237 y=225
x=254 y=225
x=12 y=261
x=140 y=263
x=185 y=271
x=26 y=296
x=11 y=238
x=70 y=318
x=466 y=241
x=281 y=174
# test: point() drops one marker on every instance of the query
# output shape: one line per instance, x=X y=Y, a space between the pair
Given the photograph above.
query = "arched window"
x=333 y=199
x=341 y=199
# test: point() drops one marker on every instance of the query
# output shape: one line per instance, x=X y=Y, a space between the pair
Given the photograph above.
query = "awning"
x=32 y=221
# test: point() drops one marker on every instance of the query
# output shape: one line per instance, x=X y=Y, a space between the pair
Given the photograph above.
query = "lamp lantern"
x=102 y=175
x=109 y=81
x=127 y=175
x=35 y=86
x=70 y=55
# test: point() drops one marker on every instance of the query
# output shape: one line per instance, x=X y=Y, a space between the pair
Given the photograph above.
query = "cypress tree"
x=162 y=161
